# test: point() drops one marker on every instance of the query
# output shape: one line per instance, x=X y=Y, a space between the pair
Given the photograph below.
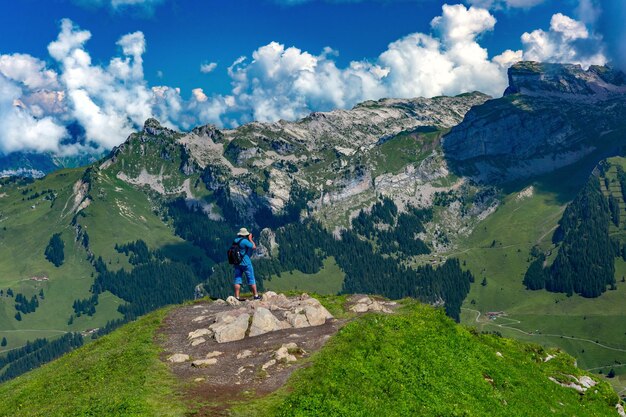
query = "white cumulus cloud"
x=207 y=68
x=286 y=82
x=27 y=70
x=568 y=40
x=109 y=102
x=607 y=18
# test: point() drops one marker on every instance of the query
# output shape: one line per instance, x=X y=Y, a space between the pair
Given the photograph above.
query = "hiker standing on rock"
x=239 y=256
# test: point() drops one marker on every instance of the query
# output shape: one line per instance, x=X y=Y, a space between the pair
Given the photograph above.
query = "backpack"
x=234 y=253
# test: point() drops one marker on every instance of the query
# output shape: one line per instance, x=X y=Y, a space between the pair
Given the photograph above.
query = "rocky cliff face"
x=539 y=79
x=327 y=165
x=552 y=115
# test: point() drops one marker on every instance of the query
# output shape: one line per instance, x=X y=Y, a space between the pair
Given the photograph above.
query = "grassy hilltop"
x=414 y=362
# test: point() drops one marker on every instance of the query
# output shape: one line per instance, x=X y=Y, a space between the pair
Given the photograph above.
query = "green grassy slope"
x=22 y=246
x=417 y=362
x=592 y=330
x=421 y=363
x=118 y=213
x=117 y=375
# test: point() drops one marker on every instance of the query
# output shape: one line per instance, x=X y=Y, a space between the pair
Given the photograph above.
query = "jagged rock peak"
x=152 y=127
x=536 y=78
x=210 y=131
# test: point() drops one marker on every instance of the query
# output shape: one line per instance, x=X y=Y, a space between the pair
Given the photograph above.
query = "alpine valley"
x=506 y=214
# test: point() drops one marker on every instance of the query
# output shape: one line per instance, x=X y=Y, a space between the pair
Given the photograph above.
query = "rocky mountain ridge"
x=340 y=159
x=552 y=115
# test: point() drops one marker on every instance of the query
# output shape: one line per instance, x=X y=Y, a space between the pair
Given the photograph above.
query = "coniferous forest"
x=585 y=263
x=36 y=353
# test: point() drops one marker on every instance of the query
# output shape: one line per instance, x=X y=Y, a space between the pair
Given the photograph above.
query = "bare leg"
x=254 y=291
x=237 y=288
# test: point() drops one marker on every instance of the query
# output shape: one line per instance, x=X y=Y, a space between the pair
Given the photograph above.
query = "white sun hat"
x=243 y=232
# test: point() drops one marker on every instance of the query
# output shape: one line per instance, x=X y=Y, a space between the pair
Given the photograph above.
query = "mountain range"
x=458 y=202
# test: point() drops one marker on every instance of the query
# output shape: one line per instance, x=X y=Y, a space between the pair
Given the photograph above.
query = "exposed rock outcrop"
x=581 y=384
x=275 y=312
x=364 y=304
x=553 y=115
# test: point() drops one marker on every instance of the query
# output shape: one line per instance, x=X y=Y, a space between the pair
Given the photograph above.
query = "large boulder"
x=297 y=319
x=316 y=315
x=229 y=331
x=263 y=321
x=315 y=312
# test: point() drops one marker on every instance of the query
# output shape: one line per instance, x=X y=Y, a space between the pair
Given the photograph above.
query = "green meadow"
x=592 y=330
x=327 y=281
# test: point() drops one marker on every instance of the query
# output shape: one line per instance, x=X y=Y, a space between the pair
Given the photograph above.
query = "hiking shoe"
x=241 y=299
x=257 y=297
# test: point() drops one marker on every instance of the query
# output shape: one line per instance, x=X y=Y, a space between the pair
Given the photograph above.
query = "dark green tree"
x=55 y=250
x=585 y=263
x=4 y=342
x=535 y=278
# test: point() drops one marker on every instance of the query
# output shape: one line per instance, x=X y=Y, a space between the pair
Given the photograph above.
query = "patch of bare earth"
x=241 y=369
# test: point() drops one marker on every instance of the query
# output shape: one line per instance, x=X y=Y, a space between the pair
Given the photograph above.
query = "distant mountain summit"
x=32 y=164
x=535 y=78
x=551 y=116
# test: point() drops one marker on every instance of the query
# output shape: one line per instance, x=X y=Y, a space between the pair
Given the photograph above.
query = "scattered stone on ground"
x=620 y=410
x=364 y=303
x=244 y=354
x=581 y=384
x=178 y=358
x=198 y=341
x=273 y=313
x=240 y=339
x=200 y=333
x=286 y=352
x=204 y=362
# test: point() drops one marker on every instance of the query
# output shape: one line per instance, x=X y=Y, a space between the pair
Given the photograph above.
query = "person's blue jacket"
x=245 y=248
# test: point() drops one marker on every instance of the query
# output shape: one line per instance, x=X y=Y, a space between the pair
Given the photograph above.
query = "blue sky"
x=107 y=65
x=183 y=34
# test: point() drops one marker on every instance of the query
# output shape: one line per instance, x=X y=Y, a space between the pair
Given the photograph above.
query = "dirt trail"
x=561 y=336
x=213 y=389
x=252 y=366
